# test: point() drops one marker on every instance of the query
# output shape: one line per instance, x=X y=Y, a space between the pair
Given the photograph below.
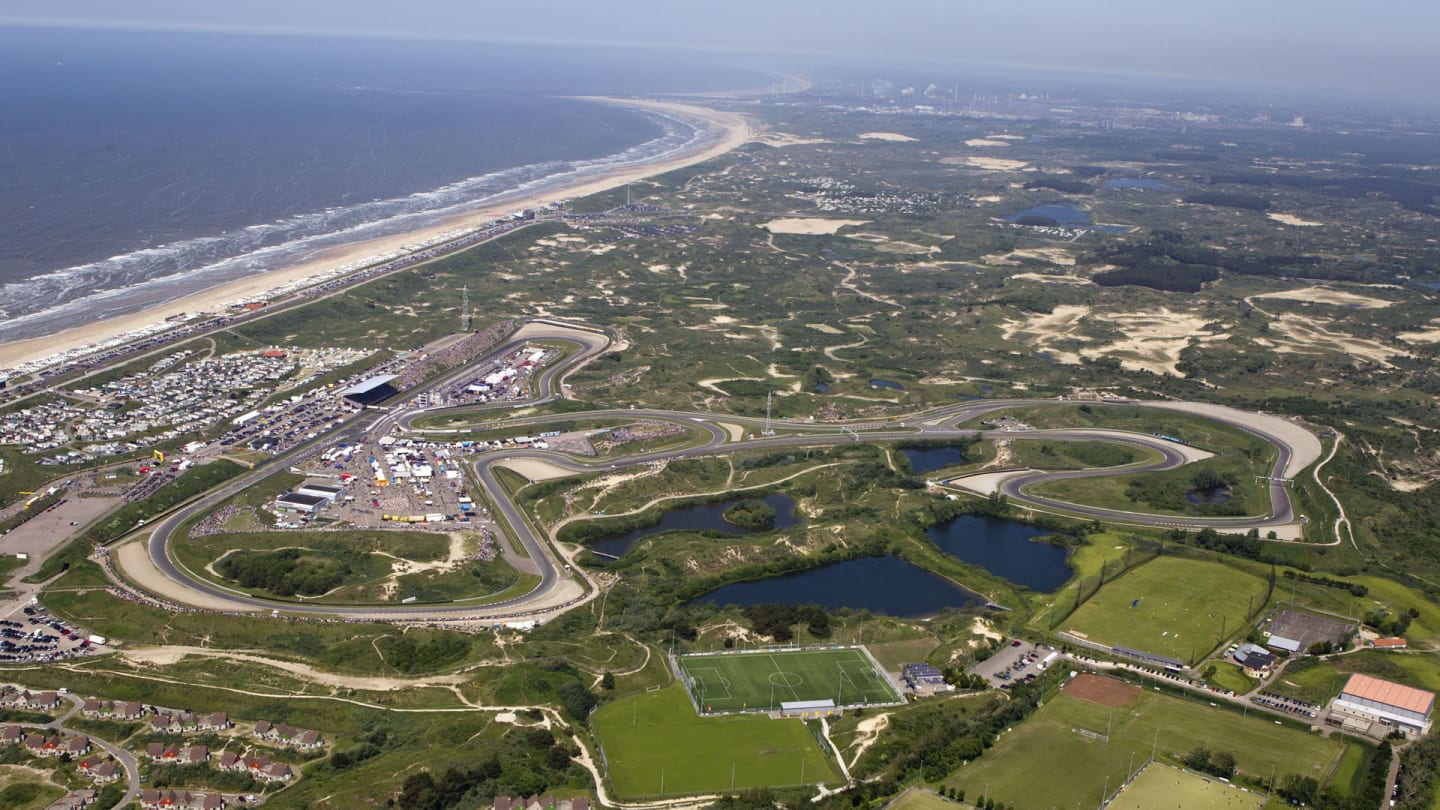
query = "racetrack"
x=562 y=586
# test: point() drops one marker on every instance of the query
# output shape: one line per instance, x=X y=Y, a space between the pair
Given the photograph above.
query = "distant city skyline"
x=1321 y=46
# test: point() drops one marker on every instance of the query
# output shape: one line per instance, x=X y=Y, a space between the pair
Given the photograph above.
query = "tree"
x=607 y=681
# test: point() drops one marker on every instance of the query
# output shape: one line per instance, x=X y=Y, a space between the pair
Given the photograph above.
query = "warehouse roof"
x=1391 y=694
x=368 y=385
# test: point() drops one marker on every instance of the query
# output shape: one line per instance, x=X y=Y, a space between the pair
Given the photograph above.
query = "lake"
x=930 y=459
x=699 y=518
x=888 y=586
x=1004 y=548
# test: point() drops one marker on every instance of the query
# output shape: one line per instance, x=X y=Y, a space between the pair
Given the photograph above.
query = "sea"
x=139 y=167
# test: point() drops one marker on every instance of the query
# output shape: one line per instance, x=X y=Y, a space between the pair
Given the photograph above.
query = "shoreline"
x=732 y=130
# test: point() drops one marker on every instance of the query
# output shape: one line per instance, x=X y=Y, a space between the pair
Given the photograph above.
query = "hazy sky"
x=1350 y=47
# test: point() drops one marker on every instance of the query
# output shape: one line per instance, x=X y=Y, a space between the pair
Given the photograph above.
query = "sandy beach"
x=733 y=128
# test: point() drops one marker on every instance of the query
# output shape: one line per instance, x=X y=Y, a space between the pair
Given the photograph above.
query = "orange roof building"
x=1390 y=703
x=1391 y=643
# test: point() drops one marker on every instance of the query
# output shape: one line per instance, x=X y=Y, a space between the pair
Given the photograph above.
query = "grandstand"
x=371 y=391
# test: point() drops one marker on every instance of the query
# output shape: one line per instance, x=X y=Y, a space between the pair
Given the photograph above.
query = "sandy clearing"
x=133 y=560
x=1307 y=335
x=1329 y=295
x=986 y=142
x=1291 y=219
x=984 y=629
x=989 y=198
x=810 y=226
x=1043 y=327
x=867 y=731
x=1044 y=279
x=734 y=126
x=1304 y=446
x=710 y=383
x=1053 y=255
x=893 y=137
x=986 y=483
x=780 y=139
x=1423 y=336
x=735 y=432
x=989 y=164
x=1154 y=340
x=535 y=469
x=825 y=328
x=1008 y=137
x=723 y=320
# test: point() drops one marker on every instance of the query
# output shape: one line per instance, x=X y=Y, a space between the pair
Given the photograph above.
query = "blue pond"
x=699 y=518
x=894 y=386
x=1067 y=215
x=1139 y=182
x=1004 y=548
x=930 y=459
x=888 y=586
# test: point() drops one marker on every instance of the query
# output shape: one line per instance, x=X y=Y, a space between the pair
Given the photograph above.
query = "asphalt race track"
x=561 y=587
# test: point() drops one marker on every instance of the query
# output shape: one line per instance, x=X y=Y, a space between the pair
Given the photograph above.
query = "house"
x=41 y=700
x=93 y=707
x=12 y=735
x=230 y=761
x=77 y=745
x=99 y=769
x=218 y=721
x=1391 y=644
x=164 y=724
x=277 y=772
x=1256 y=662
x=288 y=735
x=74 y=800
x=541 y=803
x=194 y=755
x=153 y=799
x=131 y=711
x=160 y=752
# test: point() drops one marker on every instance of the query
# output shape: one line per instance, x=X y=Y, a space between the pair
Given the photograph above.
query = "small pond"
x=1005 y=548
x=698 y=518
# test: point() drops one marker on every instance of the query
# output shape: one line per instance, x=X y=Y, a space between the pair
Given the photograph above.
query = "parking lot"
x=1018 y=661
x=31 y=635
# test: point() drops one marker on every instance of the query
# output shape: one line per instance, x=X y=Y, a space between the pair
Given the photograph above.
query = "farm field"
x=1046 y=762
x=747 y=681
x=1161 y=786
x=922 y=800
x=656 y=736
x=1170 y=606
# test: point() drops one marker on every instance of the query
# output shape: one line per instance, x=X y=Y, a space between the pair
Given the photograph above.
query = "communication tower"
x=465 y=308
x=769 y=431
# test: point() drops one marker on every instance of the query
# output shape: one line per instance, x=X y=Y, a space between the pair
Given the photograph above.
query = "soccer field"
x=1166 y=787
x=1049 y=760
x=654 y=744
x=763 y=680
x=1170 y=606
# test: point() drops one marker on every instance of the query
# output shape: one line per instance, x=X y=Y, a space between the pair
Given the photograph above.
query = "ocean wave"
x=59 y=299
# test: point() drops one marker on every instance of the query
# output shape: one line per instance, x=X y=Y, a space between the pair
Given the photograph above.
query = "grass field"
x=1161 y=786
x=922 y=800
x=1044 y=762
x=1185 y=608
x=747 y=681
x=655 y=736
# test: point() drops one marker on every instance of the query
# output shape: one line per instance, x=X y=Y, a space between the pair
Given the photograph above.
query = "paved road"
x=939 y=423
x=126 y=760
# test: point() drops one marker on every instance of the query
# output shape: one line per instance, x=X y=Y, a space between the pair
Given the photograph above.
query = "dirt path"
x=867 y=733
